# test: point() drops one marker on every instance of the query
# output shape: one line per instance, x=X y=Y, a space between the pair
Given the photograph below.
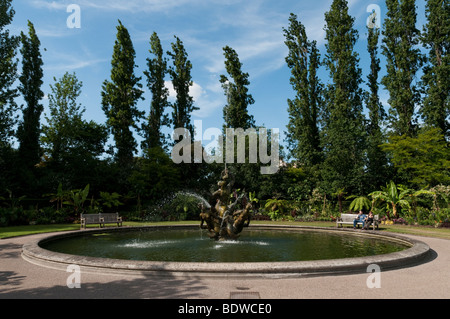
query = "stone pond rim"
x=417 y=252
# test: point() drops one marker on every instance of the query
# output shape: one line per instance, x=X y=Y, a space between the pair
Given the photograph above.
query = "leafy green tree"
x=376 y=157
x=157 y=69
x=8 y=74
x=423 y=160
x=155 y=175
x=403 y=62
x=236 y=116
x=65 y=115
x=8 y=106
x=30 y=87
x=343 y=129
x=120 y=97
x=110 y=200
x=303 y=60
x=182 y=108
x=72 y=144
x=435 y=37
x=235 y=113
x=180 y=73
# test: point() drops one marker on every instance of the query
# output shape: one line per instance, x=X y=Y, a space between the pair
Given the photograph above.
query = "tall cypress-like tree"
x=182 y=108
x=8 y=107
x=236 y=116
x=343 y=121
x=180 y=73
x=436 y=105
x=30 y=87
x=120 y=97
x=8 y=74
x=403 y=61
x=376 y=157
x=157 y=69
x=303 y=60
x=235 y=113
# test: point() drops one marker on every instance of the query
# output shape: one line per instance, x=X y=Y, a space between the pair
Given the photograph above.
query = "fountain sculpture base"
x=227 y=213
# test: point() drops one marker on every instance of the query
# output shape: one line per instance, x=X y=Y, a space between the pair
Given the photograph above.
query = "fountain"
x=264 y=250
x=227 y=213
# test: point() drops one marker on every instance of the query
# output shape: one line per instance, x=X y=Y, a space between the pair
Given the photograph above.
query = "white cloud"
x=132 y=6
x=69 y=62
x=53 y=32
x=51 y=5
x=75 y=65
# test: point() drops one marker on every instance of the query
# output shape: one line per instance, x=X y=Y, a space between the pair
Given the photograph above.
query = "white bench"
x=101 y=219
x=347 y=219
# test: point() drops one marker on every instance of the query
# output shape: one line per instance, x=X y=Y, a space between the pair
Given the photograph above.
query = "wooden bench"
x=101 y=219
x=347 y=219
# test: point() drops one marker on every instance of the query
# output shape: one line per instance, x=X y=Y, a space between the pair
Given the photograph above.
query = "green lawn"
x=14 y=231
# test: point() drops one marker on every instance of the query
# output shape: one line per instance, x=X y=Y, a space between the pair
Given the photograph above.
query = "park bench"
x=101 y=219
x=347 y=219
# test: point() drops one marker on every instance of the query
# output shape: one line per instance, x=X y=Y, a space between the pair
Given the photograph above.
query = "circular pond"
x=260 y=250
x=193 y=245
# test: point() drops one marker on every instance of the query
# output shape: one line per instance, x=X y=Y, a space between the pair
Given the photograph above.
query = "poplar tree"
x=435 y=37
x=403 y=61
x=120 y=97
x=30 y=88
x=235 y=113
x=8 y=74
x=157 y=70
x=343 y=132
x=376 y=157
x=180 y=74
x=8 y=106
x=303 y=60
x=236 y=116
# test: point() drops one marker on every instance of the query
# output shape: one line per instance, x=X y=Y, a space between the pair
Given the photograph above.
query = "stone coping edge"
x=417 y=253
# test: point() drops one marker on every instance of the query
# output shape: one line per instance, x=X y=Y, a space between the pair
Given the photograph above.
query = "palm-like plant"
x=276 y=207
x=77 y=197
x=395 y=196
x=340 y=193
x=359 y=203
x=59 y=197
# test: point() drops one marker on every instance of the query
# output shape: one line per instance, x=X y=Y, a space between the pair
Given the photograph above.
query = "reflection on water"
x=252 y=246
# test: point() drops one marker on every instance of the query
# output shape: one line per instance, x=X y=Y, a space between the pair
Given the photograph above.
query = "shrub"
x=12 y=216
x=400 y=221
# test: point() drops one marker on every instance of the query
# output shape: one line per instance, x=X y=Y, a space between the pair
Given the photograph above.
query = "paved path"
x=22 y=279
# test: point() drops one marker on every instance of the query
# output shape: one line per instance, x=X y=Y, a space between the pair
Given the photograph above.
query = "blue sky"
x=252 y=27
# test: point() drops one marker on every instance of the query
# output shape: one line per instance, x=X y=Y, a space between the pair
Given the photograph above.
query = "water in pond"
x=188 y=245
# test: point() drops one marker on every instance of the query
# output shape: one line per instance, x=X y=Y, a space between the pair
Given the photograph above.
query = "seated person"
x=368 y=221
x=360 y=218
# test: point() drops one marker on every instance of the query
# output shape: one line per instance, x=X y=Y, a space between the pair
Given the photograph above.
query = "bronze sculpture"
x=228 y=212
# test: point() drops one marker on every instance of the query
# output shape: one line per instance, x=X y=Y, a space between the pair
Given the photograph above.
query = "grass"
x=14 y=231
